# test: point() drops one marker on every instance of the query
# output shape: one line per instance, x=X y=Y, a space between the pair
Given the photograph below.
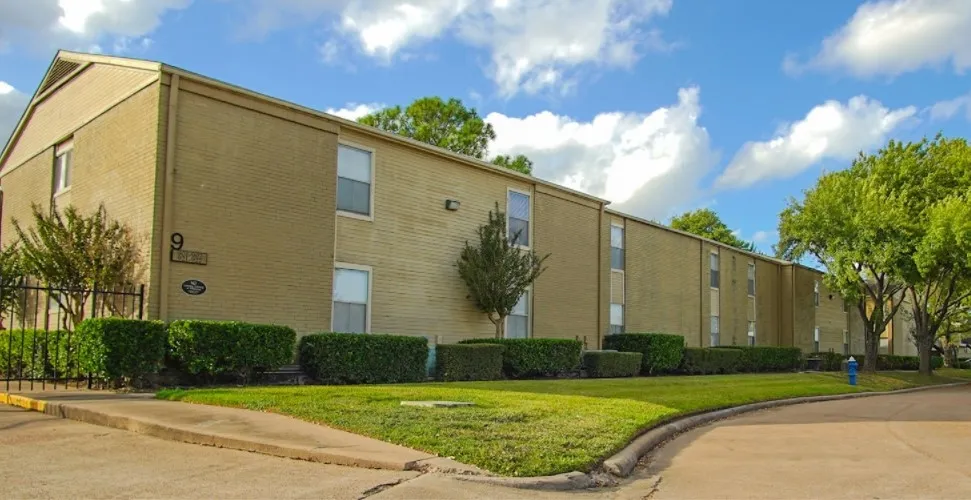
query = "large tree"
x=496 y=271
x=851 y=228
x=446 y=124
x=706 y=223
x=77 y=253
x=931 y=182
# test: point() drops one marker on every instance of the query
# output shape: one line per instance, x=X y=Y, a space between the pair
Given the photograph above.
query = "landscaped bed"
x=535 y=427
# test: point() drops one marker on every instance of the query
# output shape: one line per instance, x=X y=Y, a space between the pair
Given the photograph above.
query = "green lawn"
x=535 y=427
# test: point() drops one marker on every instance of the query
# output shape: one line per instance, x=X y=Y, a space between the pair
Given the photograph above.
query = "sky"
x=660 y=106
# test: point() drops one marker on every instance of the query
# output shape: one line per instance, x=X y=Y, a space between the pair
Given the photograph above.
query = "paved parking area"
x=915 y=445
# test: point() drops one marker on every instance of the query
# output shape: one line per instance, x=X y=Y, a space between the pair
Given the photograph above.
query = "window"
x=846 y=343
x=63 y=164
x=355 y=168
x=816 y=339
x=616 y=247
x=751 y=279
x=714 y=270
x=751 y=333
x=846 y=306
x=715 y=332
x=352 y=286
x=518 y=208
x=517 y=323
x=816 y=293
x=616 y=318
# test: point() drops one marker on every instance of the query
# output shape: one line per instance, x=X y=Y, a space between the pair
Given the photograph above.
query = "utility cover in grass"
x=437 y=404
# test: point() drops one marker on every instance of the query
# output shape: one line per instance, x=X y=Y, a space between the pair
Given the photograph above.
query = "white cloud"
x=353 y=111
x=891 y=37
x=945 y=110
x=80 y=24
x=762 y=237
x=12 y=104
x=829 y=130
x=648 y=164
x=531 y=49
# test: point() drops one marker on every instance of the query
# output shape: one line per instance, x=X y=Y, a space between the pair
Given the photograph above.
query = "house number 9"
x=177 y=241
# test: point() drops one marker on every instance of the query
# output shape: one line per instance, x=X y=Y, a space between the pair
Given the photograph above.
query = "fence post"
x=141 y=300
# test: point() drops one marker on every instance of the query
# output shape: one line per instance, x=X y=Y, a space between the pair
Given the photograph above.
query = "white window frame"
x=751 y=266
x=355 y=215
x=623 y=247
x=623 y=318
x=529 y=234
x=718 y=258
x=751 y=331
x=816 y=293
x=529 y=314
x=846 y=307
x=714 y=331
x=370 y=287
x=60 y=151
x=816 y=339
x=846 y=342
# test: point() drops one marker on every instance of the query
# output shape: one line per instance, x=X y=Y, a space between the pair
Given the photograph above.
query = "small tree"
x=11 y=277
x=496 y=271
x=76 y=254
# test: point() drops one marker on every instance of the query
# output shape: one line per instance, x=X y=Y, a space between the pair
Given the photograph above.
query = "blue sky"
x=659 y=105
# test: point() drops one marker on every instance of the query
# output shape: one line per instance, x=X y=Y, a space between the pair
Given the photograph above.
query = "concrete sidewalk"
x=246 y=430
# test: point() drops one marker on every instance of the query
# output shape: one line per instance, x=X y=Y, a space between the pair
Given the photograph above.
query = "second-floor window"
x=63 y=165
x=354 y=180
x=751 y=279
x=518 y=214
x=713 y=257
x=816 y=293
x=617 y=247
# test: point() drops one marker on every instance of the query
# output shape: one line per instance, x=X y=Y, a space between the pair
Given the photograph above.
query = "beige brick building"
x=292 y=216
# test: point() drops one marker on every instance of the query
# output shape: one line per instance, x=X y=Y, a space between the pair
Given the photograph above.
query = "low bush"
x=611 y=364
x=352 y=358
x=468 y=362
x=893 y=362
x=536 y=357
x=830 y=361
x=759 y=359
x=119 y=349
x=662 y=352
x=709 y=361
x=37 y=354
x=217 y=349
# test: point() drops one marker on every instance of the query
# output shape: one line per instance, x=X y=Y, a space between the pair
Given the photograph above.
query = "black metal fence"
x=38 y=349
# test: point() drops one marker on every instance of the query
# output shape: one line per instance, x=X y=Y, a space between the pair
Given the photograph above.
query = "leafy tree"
x=76 y=253
x=706 y=223
x=446 y=124
x=852 y=228
x=931 y=182
x=11 y=276
x=497 y=272
x=520 y=163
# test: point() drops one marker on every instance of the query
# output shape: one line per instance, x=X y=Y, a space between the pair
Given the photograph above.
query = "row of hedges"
x=710 y=361
x=349 y=358
x=762 y=359
x=525 y=358
x=612 y=364
x=831 y=361
x=32 y=353
x=660 y=353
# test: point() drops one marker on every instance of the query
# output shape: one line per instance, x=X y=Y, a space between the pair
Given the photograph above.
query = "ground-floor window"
x=751 y=333
x=352 y=299
x=715 y=332
x=846 y=343
x=616 y=318
x=517 y=323
x=816 y=339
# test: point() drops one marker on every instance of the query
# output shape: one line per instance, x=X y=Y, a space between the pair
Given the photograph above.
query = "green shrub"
x=610 y=364
x=352 y=358
x=468 y=362
x=230 y=348
x=37 y=354
x=115 y=348
x=758 y=359
x=708 y=361
x=536 y=357
x=830 y=361
x=906 y=363
x=662 y=352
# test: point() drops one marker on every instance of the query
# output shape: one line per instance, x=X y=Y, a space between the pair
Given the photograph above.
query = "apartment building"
x=255 y=209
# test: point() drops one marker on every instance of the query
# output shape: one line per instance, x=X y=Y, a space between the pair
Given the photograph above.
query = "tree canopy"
x=446 y=124
x=706 y=223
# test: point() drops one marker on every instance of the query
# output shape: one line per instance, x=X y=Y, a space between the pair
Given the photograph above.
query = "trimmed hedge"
x=756 y=359
x=536 y=357
x=662 y=352
x=36 y=354
x=116 y=348
x=832 y=361
x=611 y=364
x=358 y=358
x=709 y=361
x=230 y=348
x=468 y=362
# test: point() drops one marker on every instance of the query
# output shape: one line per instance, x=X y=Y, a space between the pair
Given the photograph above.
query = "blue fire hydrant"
x=851 y=369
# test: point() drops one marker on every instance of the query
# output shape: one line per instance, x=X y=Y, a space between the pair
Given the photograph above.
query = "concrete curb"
x=173 y=433
x=622 y=463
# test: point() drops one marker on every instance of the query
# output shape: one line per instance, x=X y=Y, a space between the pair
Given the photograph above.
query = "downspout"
x=701 y=298
x=600 y=278
x=167 y=196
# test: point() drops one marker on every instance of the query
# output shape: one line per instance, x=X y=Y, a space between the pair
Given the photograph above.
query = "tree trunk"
x=924 y=354
x=872 y=347
x=950 y=355
x=500 y=327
